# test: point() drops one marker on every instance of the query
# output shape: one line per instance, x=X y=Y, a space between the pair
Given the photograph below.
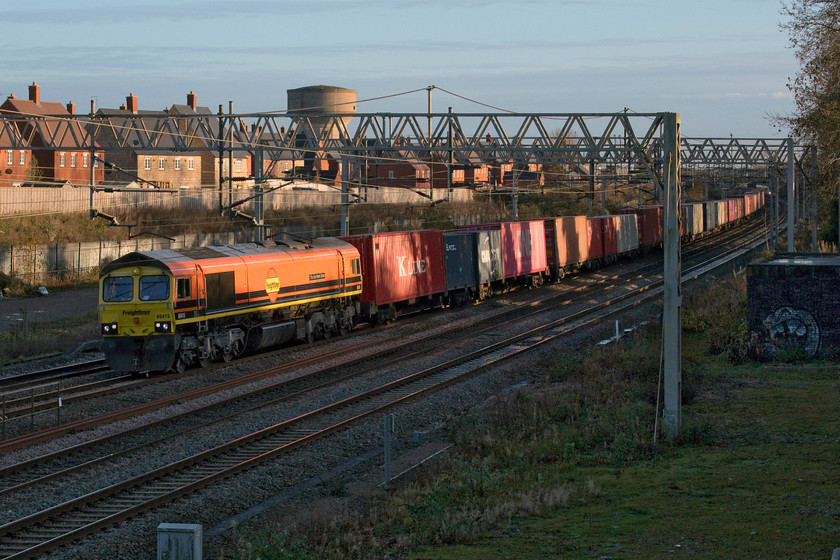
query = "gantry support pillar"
x=671 y=311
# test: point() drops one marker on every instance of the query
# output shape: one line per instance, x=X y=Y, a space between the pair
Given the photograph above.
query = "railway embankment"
x=567 y=465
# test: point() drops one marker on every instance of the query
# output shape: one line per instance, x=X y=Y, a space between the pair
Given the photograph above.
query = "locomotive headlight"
x=163 y=326
x=109 y=328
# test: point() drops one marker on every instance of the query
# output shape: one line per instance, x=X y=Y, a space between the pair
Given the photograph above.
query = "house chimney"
x=35 y=93
x=12 y=96
x=92 y=106
x=283 y=130
x=131 y=103
x=191 y=100
x=71 y=107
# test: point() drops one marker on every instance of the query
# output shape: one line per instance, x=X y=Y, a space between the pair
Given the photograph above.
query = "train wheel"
x=180 y=365
x=203 y=361
x=227 y=356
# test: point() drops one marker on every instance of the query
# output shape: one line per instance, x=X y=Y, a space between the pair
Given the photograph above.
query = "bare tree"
x=813 y=27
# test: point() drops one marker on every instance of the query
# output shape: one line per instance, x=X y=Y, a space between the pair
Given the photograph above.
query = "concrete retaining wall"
x=69 y=198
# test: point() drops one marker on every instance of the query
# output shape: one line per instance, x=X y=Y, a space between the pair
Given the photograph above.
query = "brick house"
x=241 y=160
x=399 y=170
x=61 y=162
x=161 y=167
x=284 y=164
x=475 y=173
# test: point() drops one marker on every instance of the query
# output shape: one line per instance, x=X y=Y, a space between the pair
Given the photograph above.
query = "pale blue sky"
x=722 y=64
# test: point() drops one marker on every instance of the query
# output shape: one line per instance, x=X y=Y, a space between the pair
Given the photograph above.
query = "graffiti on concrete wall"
x=790 y=329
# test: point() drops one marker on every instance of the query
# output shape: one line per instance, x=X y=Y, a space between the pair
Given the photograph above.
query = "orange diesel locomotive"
x=167 y=309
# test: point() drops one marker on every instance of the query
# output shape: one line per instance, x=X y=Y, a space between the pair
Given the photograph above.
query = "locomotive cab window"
x=356 y=268
x=183 y=288
x=117 y=288
x=154 y=288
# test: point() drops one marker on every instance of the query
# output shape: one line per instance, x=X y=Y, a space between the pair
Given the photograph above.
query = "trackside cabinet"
x=179 y=541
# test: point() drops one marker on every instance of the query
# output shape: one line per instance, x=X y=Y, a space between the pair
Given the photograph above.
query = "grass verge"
x=569 y=469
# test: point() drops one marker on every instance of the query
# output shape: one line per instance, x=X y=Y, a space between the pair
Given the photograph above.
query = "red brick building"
x=61 y=162
x=160 y=166
x=398 y=171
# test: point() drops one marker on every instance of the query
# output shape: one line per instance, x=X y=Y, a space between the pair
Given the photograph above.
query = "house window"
x=390 y=173
x=147 y=163
x=96 y=162
x=237 y=167
x=72 y=160
x=190 y=164
x=10 y=157
x=85 y=160
x=177 y=164
x=23 y=157
x=161 y=163
x=61 y=159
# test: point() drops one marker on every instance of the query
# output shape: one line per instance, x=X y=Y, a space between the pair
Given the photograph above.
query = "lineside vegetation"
x=567 y=467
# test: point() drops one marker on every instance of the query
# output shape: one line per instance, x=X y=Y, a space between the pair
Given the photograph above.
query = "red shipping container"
x=610 y=227
x=650 y=220
x=731 y=210
x=566 y=242
x=523 y=246
x=595 y=236
x=401 y=265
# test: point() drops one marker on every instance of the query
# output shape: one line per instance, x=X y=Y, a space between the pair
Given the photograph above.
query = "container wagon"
x=650 y=223
x=619 y=235
x=692 y=220
x=523 y=249
x=473 y=264
x=566 y=244
x=399 y=269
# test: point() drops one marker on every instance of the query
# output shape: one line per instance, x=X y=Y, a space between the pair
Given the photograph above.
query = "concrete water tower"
x=322 y=99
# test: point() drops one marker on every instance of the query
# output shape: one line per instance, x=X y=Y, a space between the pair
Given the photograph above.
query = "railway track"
x=51 y=374
x=61 y=524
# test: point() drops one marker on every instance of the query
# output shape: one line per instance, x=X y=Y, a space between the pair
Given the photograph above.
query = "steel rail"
x=51 y=375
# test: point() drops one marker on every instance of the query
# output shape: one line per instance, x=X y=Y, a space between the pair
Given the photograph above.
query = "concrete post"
x=671 y=312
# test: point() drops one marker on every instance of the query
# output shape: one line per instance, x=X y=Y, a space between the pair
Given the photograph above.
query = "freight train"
x=169 y=309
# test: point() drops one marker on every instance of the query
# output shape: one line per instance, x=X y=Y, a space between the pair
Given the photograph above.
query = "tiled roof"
x=65 y=131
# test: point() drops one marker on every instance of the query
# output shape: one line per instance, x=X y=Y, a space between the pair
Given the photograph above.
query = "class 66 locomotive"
x=165 y=310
